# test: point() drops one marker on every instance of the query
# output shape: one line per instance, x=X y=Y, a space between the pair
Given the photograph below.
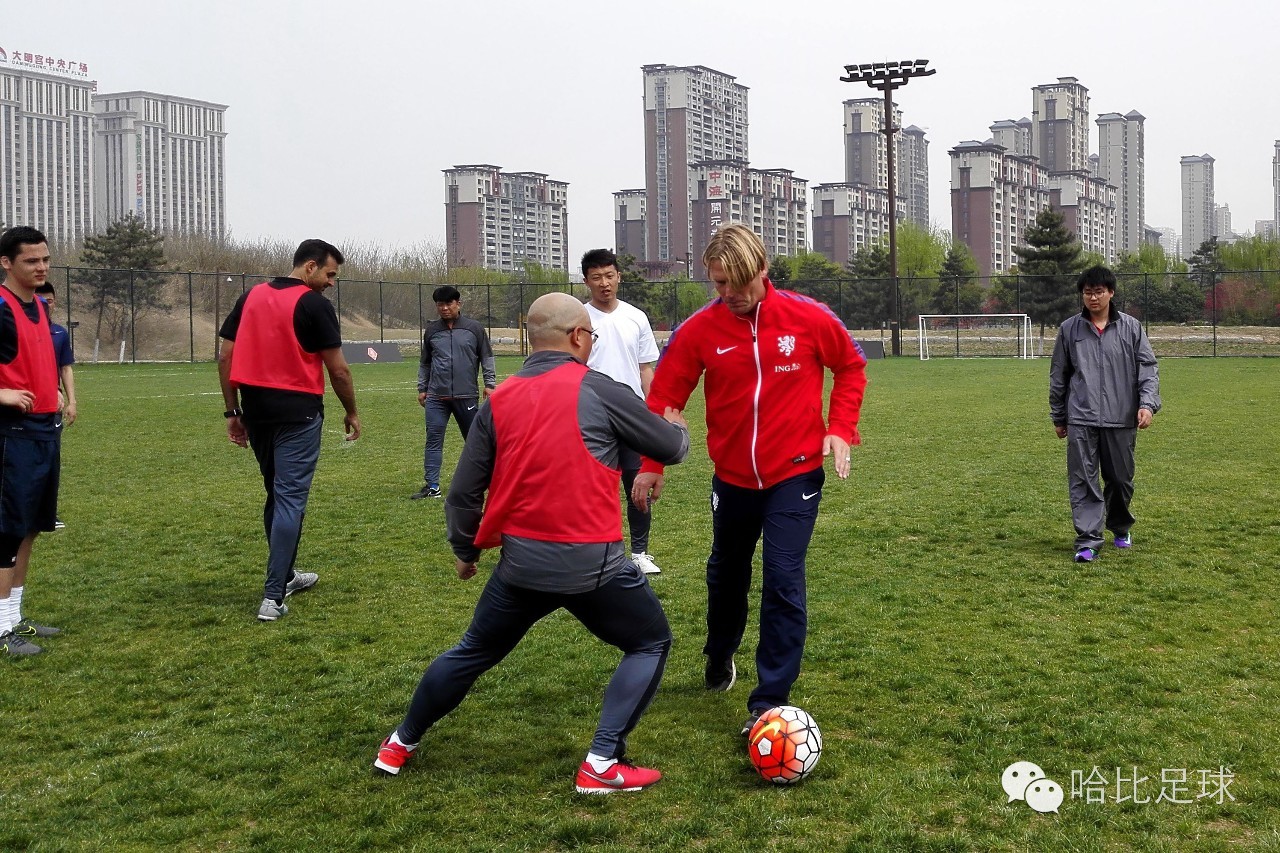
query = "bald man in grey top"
x=552 y=554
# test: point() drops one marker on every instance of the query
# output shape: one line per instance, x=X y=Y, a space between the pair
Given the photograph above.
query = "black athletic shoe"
x=426 y=492
x=719 y=677
x=750 y=723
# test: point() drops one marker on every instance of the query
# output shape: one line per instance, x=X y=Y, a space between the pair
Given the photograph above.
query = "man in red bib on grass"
x=276 y=341
x=29 y=429
x=556 y=429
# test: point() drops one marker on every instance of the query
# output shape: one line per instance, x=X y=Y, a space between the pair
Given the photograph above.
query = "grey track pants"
x=1094 y=451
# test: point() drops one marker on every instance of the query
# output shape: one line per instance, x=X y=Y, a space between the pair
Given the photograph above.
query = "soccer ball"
x=784 y=745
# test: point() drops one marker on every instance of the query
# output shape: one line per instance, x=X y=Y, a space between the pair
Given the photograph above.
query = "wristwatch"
x=234 y=413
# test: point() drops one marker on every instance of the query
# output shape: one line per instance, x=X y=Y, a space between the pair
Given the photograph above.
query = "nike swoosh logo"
x=720 y=351
x=616 y=782
x=805 y=497
x=471 y=408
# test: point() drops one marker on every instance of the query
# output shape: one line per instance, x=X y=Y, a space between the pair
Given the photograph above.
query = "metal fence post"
x=71 y=327
x=1146 y=302
x=1213 y=297
x=191 y=316
x=133 y=322
x=382 y=335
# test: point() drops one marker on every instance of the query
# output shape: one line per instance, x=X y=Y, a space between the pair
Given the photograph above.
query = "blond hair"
x=740 y=253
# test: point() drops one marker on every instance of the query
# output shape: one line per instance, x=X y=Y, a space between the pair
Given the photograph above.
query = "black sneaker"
x=750 y=723
x=426 y=492
x=719 y=677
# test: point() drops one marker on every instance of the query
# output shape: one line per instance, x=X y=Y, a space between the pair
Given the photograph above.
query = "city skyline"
x=349 y=141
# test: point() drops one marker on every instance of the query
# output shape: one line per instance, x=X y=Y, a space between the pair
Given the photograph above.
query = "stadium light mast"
x=887 y=76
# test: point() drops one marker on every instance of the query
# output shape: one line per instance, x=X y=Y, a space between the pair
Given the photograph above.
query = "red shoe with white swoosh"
x=622 y=775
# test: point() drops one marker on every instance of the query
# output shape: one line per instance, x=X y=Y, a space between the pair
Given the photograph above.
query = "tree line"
x=130 y=270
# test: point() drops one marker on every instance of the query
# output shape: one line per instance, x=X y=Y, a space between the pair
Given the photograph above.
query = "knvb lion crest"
x=787 y=344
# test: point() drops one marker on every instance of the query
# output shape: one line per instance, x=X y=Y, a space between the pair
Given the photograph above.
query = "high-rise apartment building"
x=1275 y=180
x=162 y=159
x=866 y=159
x=46 y=145
x=1197 y=202
x=1222 y=224
x=771 y=202
x=692 y=114
x=852 y=215
x=913 y=176
x=505 y=220
x=848 y=218
x=1013 y=136
x=1121 y=164
x=999 y=186
x=1060 y=125
x=1088 y=207
x=629 y=223
x=995 y=196
x=1169 y=241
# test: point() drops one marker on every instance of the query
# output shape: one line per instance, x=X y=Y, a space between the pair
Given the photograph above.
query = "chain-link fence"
x=144 y=315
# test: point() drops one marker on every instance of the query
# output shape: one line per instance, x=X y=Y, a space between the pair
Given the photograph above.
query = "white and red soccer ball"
x=784 y=745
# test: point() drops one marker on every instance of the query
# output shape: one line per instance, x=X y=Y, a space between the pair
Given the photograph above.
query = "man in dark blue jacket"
x=454 y=350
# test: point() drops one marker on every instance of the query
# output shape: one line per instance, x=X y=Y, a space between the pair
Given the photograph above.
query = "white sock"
x=599 y=763
x=395 y=738
x=6 y=623
x=15 y=602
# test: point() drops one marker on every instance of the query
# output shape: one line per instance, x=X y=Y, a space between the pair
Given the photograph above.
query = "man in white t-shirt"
x=625 y=351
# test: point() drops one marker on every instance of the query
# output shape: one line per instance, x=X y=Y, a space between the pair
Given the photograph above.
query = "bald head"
x=552 y=317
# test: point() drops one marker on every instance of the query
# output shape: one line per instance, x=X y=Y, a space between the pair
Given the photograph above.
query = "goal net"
x=975 y=336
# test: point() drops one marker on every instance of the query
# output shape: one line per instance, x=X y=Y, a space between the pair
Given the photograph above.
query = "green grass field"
x=950 y=635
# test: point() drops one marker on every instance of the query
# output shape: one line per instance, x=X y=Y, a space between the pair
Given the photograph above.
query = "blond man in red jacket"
x=764 y=353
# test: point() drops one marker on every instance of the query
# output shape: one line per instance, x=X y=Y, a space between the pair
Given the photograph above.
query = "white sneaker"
x=270 y=611
x=301 y=581
x=645 y=563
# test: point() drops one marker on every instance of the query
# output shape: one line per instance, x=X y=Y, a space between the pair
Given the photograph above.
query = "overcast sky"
x=343 y=114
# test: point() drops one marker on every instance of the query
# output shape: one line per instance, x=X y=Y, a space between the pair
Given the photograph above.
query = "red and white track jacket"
x=764 y=380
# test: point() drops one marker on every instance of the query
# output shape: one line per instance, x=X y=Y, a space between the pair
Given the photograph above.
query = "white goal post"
x=975 y=336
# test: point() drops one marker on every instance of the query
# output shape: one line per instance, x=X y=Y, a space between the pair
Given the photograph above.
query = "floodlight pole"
x=888 y=76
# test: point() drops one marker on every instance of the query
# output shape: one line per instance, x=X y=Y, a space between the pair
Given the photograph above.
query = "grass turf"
x=950 y=635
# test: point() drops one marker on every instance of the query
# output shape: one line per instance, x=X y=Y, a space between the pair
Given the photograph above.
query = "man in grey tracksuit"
x=454 y=350
x=1104 y=386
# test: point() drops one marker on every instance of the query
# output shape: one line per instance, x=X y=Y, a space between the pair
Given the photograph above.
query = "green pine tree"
x=119 y=292
x=1048 y=264
x=871 y=302
x=960 y=292
x=780 y=269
